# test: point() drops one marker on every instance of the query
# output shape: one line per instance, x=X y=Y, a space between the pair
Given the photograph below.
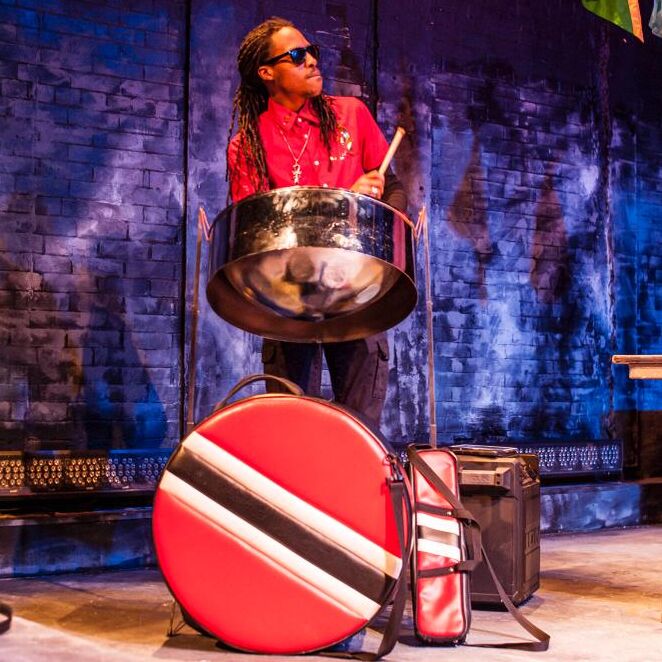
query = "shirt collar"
x=285 y=118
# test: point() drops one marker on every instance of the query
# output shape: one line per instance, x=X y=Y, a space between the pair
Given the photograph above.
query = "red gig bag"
x=446 y=549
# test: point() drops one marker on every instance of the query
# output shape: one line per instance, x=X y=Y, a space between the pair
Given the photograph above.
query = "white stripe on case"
x=316 y=580
x=278 y=497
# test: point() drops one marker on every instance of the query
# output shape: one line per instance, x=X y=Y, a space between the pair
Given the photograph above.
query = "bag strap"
x=535 y=646
x=291 y=386
x=399 y=491
x=542 y=643
x=458 y=510
x=6 y=611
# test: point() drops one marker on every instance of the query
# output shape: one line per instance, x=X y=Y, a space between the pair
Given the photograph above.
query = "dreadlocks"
x=251 y=98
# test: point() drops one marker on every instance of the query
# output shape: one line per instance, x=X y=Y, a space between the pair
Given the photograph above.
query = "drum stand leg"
x=177 y=621
x=203 y=229
x=422 y=226
x=175 y=616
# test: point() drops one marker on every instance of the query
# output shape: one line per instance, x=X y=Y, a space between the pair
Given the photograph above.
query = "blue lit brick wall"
x=521 y=316
x=539 y=171
x=91 y=190
x=637 y=211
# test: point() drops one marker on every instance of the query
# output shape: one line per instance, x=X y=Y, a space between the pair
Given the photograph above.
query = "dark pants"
x=358 y=369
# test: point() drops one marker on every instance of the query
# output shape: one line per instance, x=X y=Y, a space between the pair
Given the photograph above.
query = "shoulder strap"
x=535 y=646
x=459 y=511
x=463 y=515
x=399 y=496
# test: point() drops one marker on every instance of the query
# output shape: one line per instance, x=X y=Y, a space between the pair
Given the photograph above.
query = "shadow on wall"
x=70 y=381
x=343 y=70
x=118 y=405
x=467 y=214
x=405 y=418
x=225 y=354
x=550 y=268
x=26 y=370
x=566 y=337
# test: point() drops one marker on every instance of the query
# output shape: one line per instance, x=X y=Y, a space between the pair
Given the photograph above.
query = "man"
x=291 y=133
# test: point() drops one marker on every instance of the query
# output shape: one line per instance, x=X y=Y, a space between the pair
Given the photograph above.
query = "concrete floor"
x=600 y=599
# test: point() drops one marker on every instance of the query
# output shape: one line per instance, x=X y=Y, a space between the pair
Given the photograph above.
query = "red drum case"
x=274 y=525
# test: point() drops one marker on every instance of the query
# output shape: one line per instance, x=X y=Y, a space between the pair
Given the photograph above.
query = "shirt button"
x=325 y=185
x=316 y=163
x=299 y=120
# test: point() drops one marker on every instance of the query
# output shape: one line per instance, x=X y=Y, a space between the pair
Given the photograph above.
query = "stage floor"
x=600 y=599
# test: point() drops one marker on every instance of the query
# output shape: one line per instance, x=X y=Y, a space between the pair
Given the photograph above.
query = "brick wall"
x=636 y=187
x=538 y=158
x=530 y=140
x=91 y=190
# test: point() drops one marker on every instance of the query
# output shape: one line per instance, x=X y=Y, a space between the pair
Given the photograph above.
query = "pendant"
x=296 y=173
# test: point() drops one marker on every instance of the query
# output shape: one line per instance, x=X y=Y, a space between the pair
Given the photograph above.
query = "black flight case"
x=501 y=488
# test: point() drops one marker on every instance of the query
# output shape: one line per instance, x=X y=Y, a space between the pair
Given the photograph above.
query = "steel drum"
x=311 y=264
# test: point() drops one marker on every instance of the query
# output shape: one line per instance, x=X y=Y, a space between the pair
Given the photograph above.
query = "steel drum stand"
x=422 y=227
x=176 y=622
x=203 y=230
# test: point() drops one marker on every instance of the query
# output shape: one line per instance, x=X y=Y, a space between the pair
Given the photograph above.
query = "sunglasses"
x=298 y=55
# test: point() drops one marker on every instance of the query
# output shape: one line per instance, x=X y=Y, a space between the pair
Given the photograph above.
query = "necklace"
x=296 y=167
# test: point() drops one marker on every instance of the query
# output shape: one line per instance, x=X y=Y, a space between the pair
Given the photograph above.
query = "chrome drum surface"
x=311 y=264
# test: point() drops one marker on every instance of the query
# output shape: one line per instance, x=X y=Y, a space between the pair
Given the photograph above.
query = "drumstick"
x=395 y=143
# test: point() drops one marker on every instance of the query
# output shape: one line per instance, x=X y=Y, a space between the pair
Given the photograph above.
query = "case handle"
x=291 y=386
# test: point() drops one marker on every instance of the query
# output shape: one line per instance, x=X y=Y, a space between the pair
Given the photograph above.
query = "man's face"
x=286 y=81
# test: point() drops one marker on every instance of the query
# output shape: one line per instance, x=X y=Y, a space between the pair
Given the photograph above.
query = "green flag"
x=625 y=13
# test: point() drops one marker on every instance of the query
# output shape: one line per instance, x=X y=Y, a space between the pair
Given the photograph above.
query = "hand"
x=372 y=183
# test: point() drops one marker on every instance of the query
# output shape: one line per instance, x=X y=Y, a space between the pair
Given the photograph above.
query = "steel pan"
x=311 y=264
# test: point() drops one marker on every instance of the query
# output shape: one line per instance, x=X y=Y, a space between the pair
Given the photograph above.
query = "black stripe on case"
x=308 y=544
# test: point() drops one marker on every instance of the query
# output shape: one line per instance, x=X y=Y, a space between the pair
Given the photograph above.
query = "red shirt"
x=359 y=147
